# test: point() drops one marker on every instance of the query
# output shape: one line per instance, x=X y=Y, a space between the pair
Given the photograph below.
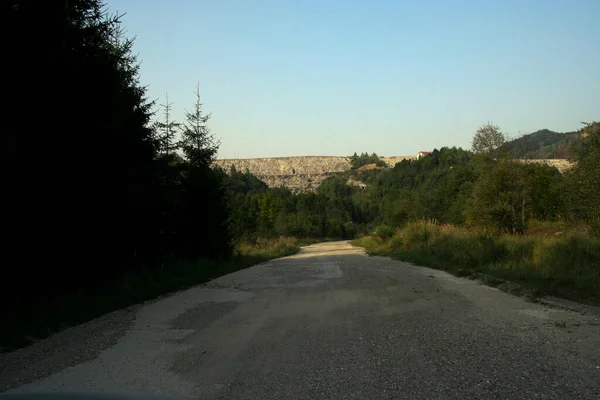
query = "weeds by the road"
x=267 y=248
x=27 y=323
x=567 y=265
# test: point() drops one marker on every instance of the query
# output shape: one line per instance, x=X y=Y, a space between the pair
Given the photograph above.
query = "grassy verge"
x=567 y=265
x=25 y=325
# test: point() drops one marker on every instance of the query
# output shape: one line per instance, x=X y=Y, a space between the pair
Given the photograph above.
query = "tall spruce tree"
x=206 y=221
x=198 y=143
x=167 y=130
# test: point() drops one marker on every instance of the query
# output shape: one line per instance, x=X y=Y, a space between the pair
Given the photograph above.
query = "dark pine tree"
x=204 y=223
x=77 y=152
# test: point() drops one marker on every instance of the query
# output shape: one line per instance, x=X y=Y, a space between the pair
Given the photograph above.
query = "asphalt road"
x=327 y=323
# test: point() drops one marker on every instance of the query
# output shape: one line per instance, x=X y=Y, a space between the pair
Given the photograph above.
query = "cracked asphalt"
x=327 y=323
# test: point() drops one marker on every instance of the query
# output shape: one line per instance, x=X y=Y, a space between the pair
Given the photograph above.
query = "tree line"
x=366 y=159
x=480 y=188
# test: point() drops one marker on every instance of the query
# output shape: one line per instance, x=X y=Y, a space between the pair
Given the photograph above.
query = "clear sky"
x=321 y=77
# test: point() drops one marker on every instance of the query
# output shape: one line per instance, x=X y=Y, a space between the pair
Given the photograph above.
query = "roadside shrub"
x=420 y=234
x=372 y=243
x=384 y=231
x=455 y=246
x=544 y=228
x=396 y=243
x=566 y=265
x=489 y=249
x=349 y=229
x=517 y=248
x=268 y=247
x=572 y=257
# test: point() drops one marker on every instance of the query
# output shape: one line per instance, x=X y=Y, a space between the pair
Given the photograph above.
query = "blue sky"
x=321 y=77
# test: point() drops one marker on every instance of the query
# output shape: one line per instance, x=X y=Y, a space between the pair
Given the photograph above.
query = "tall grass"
x=35 y=321
x=267 y=248
x=567 y=265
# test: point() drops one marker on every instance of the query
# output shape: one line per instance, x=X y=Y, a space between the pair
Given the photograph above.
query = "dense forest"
x=102 y=183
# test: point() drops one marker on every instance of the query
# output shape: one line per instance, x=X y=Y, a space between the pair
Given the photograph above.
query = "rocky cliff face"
x=288 y=165
x=299 y=174
x=305 y=174
x=561 y=165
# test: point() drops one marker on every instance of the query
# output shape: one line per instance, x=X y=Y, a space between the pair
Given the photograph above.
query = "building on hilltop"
x=422 y=154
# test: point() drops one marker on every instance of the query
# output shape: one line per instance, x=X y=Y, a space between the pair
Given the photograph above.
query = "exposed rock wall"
x=288 y=165
x=299 y=174
x=305 y=174
x=561 y=165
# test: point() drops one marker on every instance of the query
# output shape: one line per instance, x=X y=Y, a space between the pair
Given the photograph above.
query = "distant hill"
x=543 y=144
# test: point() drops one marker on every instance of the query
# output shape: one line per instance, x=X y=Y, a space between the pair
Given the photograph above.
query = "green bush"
x=420 y=234
x=573 y=257
x=455 y=247
x=396 y=242
x=384 y=231
x=349 y=229
x=517 y=248
x=371 y=243
x=267 y=248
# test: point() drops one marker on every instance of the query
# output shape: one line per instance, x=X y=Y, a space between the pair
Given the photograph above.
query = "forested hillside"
x=450 y=185
x=543 y=144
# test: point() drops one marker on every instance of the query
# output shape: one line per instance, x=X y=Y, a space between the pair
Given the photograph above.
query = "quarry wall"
x=299 y=174
x=305 y=174
x=288 y=165
x=561 y=165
